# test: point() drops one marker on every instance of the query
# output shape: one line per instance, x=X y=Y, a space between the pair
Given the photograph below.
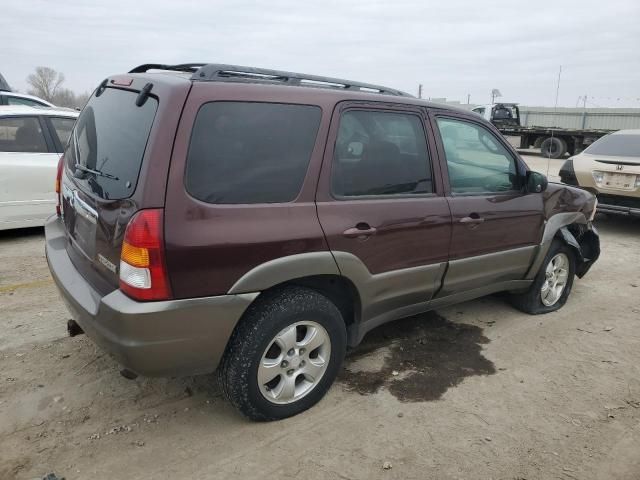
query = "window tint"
x=21 y=134
x=110 y=136
x=63 y=127
x=476 y=161
x=23 y=101
x=619 y=145
x=250 y=152
x=380 y=153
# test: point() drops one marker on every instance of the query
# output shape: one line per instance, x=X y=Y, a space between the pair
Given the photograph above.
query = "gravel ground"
x=475 y=391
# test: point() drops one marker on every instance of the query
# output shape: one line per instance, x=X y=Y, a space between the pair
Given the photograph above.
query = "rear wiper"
x=98 y=173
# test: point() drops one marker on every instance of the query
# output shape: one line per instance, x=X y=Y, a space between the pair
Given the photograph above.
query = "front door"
x=382 y=208
x=496 y=223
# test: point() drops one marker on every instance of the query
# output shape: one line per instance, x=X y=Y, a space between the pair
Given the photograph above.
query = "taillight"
x=143 y=271
x=58 y=185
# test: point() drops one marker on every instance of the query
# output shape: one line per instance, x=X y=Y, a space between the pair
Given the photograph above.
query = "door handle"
x=474 y=218
x=361 y=230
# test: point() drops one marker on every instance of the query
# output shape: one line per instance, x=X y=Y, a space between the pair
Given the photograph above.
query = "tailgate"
x=108 y=167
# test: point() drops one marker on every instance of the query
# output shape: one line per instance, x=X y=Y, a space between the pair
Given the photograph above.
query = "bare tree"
x=495 y=93
x=45 y=83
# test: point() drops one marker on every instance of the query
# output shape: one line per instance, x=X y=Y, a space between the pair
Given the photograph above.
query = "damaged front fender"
x=586 y=246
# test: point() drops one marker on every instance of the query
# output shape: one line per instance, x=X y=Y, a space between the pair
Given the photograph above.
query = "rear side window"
x=24 y=101
x=63 y=127
x=21 y=134
x=108 y=142
x=380 y=153
x=250 y=152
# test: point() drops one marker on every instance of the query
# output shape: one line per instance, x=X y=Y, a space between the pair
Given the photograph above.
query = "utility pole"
x=468 y=98
x=420 y=90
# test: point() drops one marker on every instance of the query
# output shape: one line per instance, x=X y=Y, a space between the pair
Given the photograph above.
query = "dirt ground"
x=475 y=391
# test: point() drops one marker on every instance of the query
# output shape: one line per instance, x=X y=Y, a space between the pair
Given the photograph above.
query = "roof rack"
x=183 y=67
x=214 y=72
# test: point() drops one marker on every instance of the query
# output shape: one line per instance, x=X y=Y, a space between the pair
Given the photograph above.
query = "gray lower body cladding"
x=176 y=337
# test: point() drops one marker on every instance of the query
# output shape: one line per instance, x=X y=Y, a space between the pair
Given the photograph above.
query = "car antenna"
x=555 y=112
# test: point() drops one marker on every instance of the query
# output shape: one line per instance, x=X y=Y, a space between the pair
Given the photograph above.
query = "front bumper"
x=166 y=338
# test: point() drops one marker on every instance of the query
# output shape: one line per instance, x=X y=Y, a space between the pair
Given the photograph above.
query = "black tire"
x=553 y=147
x=531 y=300
x=263 y=320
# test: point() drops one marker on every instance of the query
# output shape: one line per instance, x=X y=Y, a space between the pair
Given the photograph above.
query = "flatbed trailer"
x=553 y=142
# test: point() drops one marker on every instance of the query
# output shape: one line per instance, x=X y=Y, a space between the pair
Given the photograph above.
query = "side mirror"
x=536 y=182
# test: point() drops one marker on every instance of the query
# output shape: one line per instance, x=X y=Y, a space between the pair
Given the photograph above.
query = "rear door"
x=116 y=163
x=28 y=161
x=381 y=205
x=496 y=224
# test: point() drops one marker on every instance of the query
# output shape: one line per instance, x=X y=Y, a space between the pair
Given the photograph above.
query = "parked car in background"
x=8 y=97
x=14 y=98
x=609 y=168
x=31 y=142
x=260 y=221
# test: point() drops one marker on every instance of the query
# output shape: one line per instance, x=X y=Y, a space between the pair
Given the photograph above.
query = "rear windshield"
x=107 y=144
x=250 y=152
x=616 y=146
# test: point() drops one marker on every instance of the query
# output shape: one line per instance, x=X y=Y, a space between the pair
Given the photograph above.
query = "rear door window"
x=380 y=153
x=244 y=153
x=108 y=143
x=22 y=134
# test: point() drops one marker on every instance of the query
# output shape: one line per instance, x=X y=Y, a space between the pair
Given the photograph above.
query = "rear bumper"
x=619 y=204
x=175 y=337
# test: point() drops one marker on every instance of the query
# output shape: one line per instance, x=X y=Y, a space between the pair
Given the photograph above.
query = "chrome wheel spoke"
x=314 y=339
x=269 y=369
x=314 y=369
x=286 y=389
x=286 y=339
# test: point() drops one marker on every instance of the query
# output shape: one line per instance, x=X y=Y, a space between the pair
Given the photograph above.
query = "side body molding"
x=384 y=297
x=283 y=269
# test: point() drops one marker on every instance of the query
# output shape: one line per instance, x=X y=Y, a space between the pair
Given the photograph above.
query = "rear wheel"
x=552 y=284
x=553 y=147
x=284 y=355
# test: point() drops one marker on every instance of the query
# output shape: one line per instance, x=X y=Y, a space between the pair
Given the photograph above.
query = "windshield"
x=107 y=144
x=620 y=145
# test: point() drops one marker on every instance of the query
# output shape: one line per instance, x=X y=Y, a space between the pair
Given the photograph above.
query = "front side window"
x=380 y=153
x=21 y=134
x=476 y=160
x=242 y=153
x=63 y=127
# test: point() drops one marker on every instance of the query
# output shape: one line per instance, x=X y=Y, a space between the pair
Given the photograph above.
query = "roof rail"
x=234 y=73
x=183 y=67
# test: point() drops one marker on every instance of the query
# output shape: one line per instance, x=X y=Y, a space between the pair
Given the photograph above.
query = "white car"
x=31 y=142
x=14 y=98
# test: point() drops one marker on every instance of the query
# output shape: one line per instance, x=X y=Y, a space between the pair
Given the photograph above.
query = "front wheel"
x=284 y=355
x=552 y=284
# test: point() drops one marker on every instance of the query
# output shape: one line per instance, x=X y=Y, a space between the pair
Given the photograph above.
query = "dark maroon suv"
x=259 y=222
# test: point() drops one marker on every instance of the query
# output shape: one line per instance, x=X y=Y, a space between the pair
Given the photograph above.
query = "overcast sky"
x=452 y=47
